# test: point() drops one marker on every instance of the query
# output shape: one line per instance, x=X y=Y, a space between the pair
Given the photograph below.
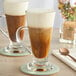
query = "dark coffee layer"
x=40 y=41
x=13 y=23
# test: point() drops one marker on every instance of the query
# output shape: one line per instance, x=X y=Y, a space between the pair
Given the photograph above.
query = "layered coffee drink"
x=40 y=41
x=15 y=11
x=40 y=24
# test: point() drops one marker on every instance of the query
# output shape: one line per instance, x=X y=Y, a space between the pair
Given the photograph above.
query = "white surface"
x=67 y=60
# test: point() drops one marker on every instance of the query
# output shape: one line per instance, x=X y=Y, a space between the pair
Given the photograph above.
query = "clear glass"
x=40 y=26
x=15 y=14
x=68 y=32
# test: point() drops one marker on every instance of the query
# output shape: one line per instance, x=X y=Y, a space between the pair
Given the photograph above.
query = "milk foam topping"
x=15 y=7
x=40 y=18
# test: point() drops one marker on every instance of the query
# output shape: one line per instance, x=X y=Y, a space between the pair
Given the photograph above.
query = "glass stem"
x=14 y=44
x=40 y=62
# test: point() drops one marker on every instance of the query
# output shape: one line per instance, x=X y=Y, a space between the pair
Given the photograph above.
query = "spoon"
x=65 y=52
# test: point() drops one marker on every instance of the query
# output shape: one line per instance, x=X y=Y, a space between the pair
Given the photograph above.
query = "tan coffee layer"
x=40 y=41
x=13 y=23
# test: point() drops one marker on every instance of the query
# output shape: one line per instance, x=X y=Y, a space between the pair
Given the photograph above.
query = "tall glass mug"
x=15 y=12
x=40 y=26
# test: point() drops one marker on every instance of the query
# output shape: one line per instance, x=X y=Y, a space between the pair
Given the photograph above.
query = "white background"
x=42 y=4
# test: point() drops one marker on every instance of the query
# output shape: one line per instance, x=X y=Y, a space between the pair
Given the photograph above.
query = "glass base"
x=39 y=65
x=36 y=67
x=15 y=51
x=52 y=69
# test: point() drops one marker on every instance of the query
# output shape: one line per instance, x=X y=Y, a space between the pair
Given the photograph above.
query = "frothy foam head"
x=40 y=18
x=15 y=7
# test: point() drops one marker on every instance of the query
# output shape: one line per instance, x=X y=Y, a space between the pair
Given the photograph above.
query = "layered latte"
x=15 y=11
x=40 y=24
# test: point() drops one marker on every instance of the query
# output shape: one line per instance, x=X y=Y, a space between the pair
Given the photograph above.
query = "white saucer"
x=54 y=70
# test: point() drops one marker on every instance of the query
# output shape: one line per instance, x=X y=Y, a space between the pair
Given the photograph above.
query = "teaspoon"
x=65 y=52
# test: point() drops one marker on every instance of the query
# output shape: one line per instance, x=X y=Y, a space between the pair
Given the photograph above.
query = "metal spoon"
x=65 y=52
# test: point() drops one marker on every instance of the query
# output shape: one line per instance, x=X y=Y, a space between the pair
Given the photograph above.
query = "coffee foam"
x=40 y=18
x=15 y=7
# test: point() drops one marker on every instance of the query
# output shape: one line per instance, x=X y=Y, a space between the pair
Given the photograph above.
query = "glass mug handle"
x=18 y=33
x=18 y=37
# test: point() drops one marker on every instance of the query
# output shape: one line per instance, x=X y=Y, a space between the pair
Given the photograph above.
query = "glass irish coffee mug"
x=15 y=14
x=40 y=27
